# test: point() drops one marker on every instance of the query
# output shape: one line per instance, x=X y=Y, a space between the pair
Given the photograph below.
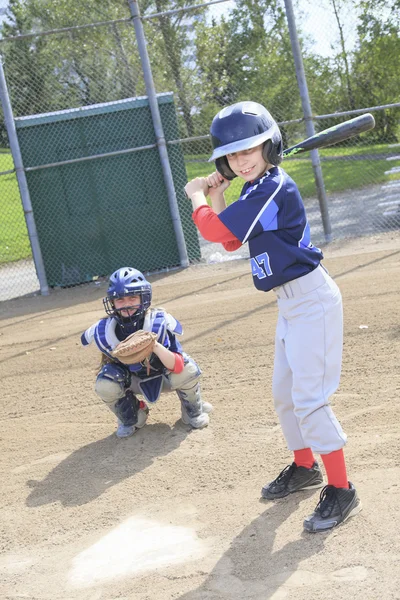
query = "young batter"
x=270 y=216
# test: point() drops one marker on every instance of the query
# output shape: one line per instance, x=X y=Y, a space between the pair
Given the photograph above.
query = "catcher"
x=141 y=356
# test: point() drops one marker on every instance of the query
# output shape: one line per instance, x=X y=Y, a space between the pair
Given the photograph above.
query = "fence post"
x=160 y=138
x=305 y=102
x=22 y=183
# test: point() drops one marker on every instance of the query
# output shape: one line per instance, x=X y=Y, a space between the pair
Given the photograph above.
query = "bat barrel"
x=334 y=135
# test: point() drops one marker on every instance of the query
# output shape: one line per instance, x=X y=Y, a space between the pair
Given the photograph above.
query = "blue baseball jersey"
x=271 y=217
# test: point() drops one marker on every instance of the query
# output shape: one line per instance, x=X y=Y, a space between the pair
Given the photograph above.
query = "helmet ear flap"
x=224 y=169
x=272 y=152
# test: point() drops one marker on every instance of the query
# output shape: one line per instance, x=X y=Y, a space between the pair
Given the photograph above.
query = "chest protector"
x=157 y=321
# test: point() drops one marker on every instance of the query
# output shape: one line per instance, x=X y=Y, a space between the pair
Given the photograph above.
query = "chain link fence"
x=93 y=169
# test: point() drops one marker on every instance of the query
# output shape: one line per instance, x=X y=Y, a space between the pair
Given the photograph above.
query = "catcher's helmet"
x=127 y=282
x=242 y=126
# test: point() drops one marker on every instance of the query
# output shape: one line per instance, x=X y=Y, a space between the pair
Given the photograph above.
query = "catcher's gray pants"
x=308 y=359
x=186 y=384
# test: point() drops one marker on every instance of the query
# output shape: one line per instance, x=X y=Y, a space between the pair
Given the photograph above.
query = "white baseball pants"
x=308 y=359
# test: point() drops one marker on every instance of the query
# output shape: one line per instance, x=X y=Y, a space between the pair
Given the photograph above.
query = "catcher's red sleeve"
x=179 y=364
x=213 y=229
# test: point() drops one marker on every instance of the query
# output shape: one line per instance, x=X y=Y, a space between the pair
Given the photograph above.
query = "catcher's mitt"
x=136 y=348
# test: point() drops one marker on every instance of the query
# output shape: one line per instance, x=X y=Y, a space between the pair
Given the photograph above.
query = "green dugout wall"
x=96 y=215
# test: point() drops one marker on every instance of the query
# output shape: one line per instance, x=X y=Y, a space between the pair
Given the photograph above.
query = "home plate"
x=135 y=546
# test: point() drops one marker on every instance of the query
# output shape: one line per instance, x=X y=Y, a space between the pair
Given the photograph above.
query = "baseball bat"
x=333 y=135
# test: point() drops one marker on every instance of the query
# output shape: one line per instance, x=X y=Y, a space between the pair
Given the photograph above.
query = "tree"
x=376 y=64
x=23 y=62
x=170 y=37
x=73 y=68
x=248 y=56
x=343 y=58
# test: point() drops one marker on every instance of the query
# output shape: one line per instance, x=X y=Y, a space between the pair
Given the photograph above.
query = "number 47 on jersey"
x=260 y=266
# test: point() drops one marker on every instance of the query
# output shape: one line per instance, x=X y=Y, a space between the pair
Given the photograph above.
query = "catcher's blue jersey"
x=271 y=217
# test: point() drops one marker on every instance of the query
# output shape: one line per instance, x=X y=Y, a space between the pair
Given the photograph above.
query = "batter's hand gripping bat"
x=333 y=135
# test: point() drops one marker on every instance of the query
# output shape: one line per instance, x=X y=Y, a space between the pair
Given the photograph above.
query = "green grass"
x=14 y=241
x=339 y=175
x=354 y=150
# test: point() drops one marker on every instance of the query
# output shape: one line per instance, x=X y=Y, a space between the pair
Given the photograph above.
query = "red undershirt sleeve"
x=179 y=363
x=213 y=229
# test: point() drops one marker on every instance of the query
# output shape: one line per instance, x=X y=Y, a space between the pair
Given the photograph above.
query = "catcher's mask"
x=123 y=283
x=242 y=126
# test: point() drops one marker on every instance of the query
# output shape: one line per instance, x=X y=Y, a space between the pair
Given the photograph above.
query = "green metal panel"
x=95 y=216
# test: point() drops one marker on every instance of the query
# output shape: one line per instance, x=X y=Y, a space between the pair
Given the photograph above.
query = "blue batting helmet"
x=127 y=282
x=242 y=126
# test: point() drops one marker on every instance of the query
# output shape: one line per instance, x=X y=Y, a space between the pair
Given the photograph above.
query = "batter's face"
x=248 y=164
x=127 y=306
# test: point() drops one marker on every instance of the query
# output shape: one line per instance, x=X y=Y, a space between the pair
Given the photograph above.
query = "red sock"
x=304 y=458
x=335 y=468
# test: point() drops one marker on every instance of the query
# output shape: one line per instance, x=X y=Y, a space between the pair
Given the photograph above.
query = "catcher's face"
x=127 y=306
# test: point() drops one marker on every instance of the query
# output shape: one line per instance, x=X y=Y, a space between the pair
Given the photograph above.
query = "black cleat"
x=293 y=479
x=334 y=507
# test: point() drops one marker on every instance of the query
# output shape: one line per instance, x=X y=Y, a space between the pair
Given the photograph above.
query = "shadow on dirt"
x=91 y=470
x=254 y=567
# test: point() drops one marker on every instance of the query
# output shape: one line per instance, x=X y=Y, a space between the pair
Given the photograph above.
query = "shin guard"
x=127 y=408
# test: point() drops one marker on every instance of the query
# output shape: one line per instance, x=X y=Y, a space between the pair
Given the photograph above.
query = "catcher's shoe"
x=207 y=407
x=199 y=421
x=334 y=507
x=124 y=431
x=293 y=479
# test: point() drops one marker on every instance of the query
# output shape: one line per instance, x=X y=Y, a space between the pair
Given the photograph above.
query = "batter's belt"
x=302 y=285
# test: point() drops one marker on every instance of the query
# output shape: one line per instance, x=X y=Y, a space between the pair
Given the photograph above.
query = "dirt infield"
x=175 y=514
